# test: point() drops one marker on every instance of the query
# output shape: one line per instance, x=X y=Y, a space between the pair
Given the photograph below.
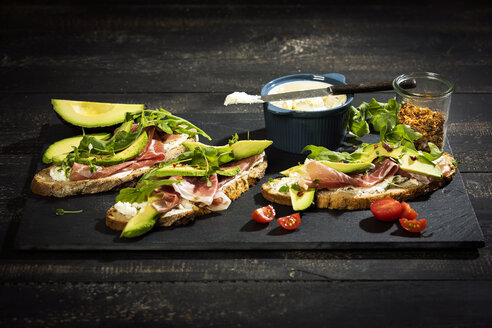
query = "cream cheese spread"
x=57 y=173
x=307 y=104
x=129 y=210
x=242 y=98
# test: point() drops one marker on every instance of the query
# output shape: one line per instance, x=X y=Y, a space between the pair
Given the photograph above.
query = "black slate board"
x=451 y=220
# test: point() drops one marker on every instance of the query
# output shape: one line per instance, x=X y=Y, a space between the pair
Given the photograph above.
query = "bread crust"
x=342 y=199
x=233 y=189
x=43 y=184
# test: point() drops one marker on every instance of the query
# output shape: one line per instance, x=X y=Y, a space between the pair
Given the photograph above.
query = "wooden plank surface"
x=187 y=56
x=219 y=48
x=249 y=304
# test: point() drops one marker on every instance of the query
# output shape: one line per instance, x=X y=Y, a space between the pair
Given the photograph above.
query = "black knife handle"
x=370 y=87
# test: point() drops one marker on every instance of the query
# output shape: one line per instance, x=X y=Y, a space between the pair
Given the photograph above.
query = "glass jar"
x=425 y=108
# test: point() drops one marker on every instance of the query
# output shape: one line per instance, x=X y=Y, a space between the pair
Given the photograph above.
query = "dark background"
x=186 y=56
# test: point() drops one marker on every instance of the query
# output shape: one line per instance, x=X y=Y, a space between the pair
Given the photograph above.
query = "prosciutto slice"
x=153 y=152
x=221 y=202
x=320 y=176
x=243 y=164
x=169 y=199
x=196 y=190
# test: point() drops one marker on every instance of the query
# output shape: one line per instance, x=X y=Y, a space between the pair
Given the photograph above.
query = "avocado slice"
x=419 y=164
x=143 y=222
x=246 y=148
x=180 y=170
x=190 y=171
x=348 y=167
x=93 y=114
x=130 y=152
x=241 y=149
x=301 y=200
x=57 y=151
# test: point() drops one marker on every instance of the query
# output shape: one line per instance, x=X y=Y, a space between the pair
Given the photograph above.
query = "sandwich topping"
x=193 y=180
x=143 y=140
x=370 y=170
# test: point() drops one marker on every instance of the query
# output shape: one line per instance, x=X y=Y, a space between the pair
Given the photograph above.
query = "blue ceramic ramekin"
x=292 y=130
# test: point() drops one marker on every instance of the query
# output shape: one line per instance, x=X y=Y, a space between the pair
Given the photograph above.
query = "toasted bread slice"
x=355 y=198
x=44 y=185
x=233 y=189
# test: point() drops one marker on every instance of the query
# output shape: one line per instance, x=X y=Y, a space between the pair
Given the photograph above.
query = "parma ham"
x=320 y=176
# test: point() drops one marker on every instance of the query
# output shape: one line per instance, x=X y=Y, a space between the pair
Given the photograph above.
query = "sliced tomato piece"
x=408 y=212
x=290 y=222
x=264 y=214
x=386 y=209
x=415 y=225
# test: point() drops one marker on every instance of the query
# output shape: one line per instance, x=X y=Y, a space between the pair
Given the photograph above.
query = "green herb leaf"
x=295 y=187
x=284 y=188
x=61 y=211
x=142 y=191
x=234 y=139
x=434 y=153
x=383 y=117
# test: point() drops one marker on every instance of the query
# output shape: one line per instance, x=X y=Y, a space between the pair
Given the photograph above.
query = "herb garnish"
x=142 y=190
x=61 y=211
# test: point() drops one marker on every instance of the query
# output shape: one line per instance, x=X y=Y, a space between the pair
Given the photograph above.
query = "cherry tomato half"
x=386 y=209
x=408 y=212
x=416 y=225
x=264 y=214
x=290 y=222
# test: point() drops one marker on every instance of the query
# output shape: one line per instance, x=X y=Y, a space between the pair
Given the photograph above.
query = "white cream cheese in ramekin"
x=307 y=104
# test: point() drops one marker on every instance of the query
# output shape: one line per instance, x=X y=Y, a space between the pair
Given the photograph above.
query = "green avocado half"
x=88 y=114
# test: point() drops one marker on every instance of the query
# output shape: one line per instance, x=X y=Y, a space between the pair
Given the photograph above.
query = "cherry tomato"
x=408 y=212
x=264 y=214
x=290 y=222
x=386 y=209
x=416 y=225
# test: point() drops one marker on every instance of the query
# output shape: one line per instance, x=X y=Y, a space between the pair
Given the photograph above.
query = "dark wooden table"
x=186 y=57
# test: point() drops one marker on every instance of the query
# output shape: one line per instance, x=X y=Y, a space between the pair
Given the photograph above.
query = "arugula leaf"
x=234 y=139
x=284 y=188
x=169 y=123
x=142 y=191
x=322 y=153
x=383 y=117
x=434 y=153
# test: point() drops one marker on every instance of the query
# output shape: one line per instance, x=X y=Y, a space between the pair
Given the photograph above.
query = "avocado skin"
x=129 y=153
x=96 y=115
x=141 y=223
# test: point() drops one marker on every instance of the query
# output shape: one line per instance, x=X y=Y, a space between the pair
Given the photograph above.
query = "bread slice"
x=44 y=185
x=355 y=198
x=233 y=189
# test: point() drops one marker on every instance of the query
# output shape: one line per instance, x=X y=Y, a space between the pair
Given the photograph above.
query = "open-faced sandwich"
x=340 y=180
x=197 y=182
x=93 y=163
